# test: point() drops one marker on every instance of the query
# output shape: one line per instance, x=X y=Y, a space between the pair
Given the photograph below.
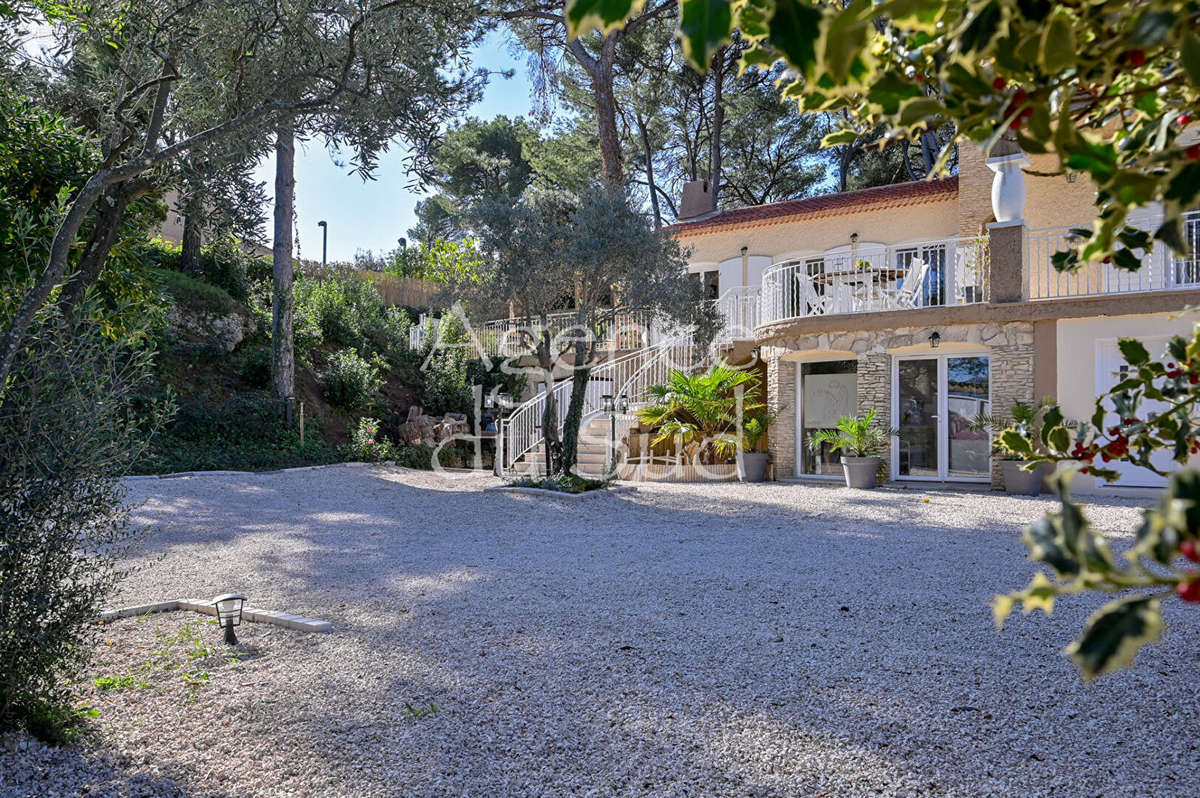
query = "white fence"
x=877 y=278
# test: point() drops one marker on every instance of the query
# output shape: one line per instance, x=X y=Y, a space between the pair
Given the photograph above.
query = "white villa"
x=929 y=301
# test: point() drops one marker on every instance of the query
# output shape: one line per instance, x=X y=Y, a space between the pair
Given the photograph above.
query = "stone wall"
x=1009 y=345
x=781 y=402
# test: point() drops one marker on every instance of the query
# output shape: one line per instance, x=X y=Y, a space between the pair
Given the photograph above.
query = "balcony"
x=874 y=278
x=1161 y=270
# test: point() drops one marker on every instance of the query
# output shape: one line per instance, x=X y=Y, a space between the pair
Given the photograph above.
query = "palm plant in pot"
x=1019 y=476
x=752 y=458
x=860 y=441
x=699 y=412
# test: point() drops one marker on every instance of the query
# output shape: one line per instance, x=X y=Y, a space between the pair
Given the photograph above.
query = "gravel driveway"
x=685 y=640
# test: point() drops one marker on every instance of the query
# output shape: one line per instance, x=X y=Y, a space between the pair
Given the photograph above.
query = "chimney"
x=696 y=200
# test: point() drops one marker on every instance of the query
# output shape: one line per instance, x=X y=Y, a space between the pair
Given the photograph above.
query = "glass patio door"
x=936 y=401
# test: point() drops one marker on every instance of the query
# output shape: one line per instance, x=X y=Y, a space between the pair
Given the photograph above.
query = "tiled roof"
x=913 y=193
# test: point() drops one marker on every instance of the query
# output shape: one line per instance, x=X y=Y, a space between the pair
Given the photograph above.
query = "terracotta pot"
x=752 y=466
x=860 y=471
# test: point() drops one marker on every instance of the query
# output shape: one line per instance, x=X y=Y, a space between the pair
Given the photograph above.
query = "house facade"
x=933 y=302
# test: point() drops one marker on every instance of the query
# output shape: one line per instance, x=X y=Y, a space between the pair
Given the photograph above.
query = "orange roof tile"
x=912 y=193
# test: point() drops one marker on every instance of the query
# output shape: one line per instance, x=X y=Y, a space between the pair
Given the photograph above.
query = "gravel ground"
x=684 y=640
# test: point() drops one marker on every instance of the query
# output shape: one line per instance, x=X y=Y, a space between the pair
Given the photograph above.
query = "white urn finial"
x=1008 y=186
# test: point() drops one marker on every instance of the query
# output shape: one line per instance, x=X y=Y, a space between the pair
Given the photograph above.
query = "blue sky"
x=373 y=214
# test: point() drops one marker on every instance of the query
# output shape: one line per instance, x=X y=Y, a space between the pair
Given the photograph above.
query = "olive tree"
x=590 y=253
x=212 y=72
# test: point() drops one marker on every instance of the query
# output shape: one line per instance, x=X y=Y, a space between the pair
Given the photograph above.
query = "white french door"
x=935 y=399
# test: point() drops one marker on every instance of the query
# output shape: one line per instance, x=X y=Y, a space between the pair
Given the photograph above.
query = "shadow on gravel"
x=41 y=771
x=673 y=642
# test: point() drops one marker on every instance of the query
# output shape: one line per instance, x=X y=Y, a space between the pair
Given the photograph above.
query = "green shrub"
x=446 y=366
x=254 y=366
x=68 y=432
x=350 y=381
x=350 y=313
x=245 y=432
x=195 y=294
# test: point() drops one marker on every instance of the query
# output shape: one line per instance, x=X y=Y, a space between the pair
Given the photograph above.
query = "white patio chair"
x=910 y=289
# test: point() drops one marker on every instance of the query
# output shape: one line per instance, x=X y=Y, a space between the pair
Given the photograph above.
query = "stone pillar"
x=1006 y=236
x=1006 y=261
x=781 y=402
x=875 y=386
x=1012 y=375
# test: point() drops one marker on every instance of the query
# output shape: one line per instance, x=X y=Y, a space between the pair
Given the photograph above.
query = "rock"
x=225 y=331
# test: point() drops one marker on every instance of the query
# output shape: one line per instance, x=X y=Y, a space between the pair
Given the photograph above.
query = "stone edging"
x=558 y=494
x=295 y=622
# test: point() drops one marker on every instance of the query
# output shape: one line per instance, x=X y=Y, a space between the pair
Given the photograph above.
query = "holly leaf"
x=795 y=28
x=584 y=16
x=1189 y=56
x=1057 y=47
x=704 y=27
x=1134 y=351
x=1114 y=635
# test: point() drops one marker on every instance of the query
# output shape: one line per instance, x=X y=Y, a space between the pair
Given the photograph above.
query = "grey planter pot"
x=1018 y=480
x=860 y=471
x=752 y=466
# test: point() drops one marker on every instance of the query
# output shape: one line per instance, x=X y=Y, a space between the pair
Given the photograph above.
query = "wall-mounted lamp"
x=854 y=238
x=935 y=339
x=744 y=250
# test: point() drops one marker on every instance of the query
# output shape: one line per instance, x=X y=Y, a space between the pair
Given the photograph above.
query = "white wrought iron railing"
x=949 y=271
x=741 y=308
x=630 y=375
x=623 y=330
x=1161 y=269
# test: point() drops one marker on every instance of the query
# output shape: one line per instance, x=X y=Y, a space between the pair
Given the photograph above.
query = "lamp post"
x=502 y=402
x=229 y=614
x=935 y=338
x=324 y=225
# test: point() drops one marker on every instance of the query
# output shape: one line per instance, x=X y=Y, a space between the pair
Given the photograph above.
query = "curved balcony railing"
x=949 y=271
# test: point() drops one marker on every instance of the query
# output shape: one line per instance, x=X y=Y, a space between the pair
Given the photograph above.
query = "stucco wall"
x=937 y=219
x=1077 y=352
x=1050 y=201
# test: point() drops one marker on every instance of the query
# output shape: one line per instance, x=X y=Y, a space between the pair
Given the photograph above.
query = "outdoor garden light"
x=489 y=401
x=623 y=403
x=607 y=404
x=229 y=614
x=503 y=400
x=935 y=338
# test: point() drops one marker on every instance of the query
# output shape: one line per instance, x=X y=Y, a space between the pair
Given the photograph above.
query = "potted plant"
x=699 y=412
x=1014 y=468
x=751 y=461
x=860 y=441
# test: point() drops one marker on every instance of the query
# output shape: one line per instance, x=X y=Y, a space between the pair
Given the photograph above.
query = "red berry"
x=1130 y=421
x=1192 y=153
x=1028 y=112
x=1170 y=365
x=1183 y=119
x=1084 y=470
x=1136 y=57
x=1188 y=591
x=1189 y=549
x=1193 y=378
x=1018 y=97
x=999 y=83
